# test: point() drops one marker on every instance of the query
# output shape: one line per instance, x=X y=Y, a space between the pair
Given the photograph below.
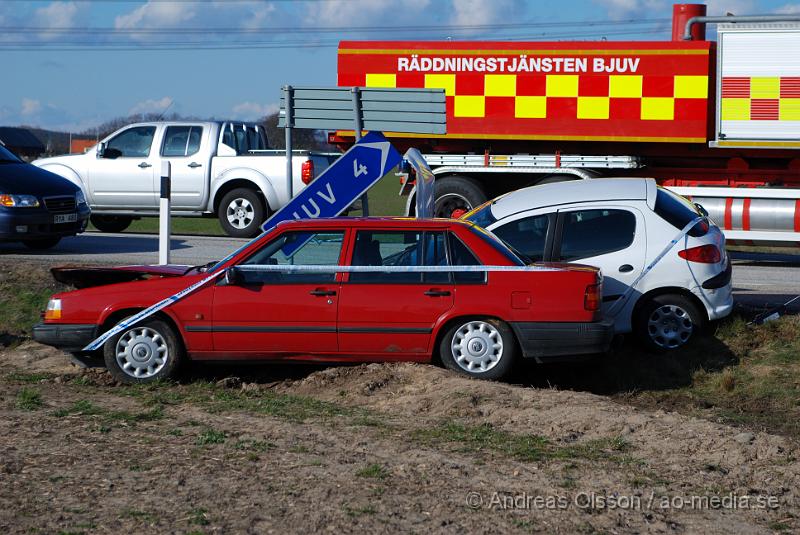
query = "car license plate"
x=65 y=218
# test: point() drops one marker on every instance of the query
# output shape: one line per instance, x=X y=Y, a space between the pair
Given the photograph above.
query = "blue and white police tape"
x=612 y=311
x=139 y=316
x=312 y=268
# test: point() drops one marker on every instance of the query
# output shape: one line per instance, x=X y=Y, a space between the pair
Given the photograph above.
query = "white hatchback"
x=621 y=225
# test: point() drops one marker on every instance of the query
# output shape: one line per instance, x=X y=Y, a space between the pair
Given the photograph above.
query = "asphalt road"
x=760 y=279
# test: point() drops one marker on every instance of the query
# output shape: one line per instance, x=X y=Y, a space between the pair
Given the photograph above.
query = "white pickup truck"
x=218 y=168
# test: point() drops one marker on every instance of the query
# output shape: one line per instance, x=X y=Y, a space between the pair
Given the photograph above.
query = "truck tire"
x=455 y=195
x=241 y=213
x=110 y=223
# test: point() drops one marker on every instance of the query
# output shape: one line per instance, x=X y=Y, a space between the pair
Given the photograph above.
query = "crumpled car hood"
x=87 y=277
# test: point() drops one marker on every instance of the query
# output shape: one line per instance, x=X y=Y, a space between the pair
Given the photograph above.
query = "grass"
x=29 y=399
x=210 y=436
x=752 y=379
x=28 y=378
x=359 y=511
x=199 y=517
x=383 y=200
x=486 y=439
x=373 y=471
x=24 y=291
x=108 y=417
x=138 y=515
x=218 y=399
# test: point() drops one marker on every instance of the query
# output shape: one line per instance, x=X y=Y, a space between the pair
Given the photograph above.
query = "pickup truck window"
x=243 y=138
x=181 y=141
x=132 y=143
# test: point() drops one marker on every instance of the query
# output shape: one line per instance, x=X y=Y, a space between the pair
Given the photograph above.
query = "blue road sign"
x=341 y=183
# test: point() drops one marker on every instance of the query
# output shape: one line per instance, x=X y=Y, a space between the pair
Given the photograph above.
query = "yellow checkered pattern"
x=627 y=86
x=764 y=88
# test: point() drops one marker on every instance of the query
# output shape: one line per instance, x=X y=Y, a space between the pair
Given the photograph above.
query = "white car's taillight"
x=704 y=254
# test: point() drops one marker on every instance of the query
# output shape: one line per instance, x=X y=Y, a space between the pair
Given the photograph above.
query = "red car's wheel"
x=480 y=348
x=144 y=353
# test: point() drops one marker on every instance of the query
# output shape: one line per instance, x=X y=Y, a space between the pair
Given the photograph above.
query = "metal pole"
x=687 y=33
x=164 y=221
x=287 y=97
x=358 y=128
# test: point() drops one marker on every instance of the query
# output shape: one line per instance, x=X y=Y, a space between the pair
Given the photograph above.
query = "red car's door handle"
x=322 y=292
x=437 y=293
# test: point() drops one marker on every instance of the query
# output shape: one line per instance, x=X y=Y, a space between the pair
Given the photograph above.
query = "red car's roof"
x=382 y=222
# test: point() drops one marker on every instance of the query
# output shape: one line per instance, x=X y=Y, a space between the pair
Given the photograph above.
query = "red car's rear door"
x=393 y=313
x=279 y=313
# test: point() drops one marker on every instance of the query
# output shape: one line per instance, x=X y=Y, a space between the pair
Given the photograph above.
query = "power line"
x=262 y=45
x=326 y=29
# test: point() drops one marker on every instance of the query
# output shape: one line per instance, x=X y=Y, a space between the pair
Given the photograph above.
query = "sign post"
x=287 y=97
x=357 y=127
x=164 y=220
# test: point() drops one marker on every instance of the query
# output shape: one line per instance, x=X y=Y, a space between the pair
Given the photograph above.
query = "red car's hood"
x=86 y=277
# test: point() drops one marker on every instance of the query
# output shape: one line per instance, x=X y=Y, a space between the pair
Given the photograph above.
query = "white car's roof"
x=575 y=191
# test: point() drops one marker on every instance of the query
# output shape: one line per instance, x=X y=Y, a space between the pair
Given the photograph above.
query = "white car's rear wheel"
x=668 y=322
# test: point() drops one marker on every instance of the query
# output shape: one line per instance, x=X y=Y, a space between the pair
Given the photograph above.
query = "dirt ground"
x=373 y=448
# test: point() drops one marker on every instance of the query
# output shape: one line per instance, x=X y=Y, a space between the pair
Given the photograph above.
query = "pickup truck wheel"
x=42 y=244
x=144 y=353
x=241 y=213
x=667 y=322
x=456 y=195
x=110 y=223
x=480 y=348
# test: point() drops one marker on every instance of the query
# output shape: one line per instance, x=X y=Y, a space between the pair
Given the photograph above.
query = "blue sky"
x=70 y=65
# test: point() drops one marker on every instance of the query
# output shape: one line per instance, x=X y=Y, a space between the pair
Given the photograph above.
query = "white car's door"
x=609 y=236
x=124 y=177
x=186 y=148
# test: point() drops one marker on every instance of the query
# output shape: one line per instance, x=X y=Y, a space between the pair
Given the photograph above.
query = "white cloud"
x=789 y=9
x=30 y=106
x=472 y=12
x=253 y=111
x=623 y=9
x=157 y=15
x=151 y=106
x=737 y=7
x=363 y=12
x=57 y=15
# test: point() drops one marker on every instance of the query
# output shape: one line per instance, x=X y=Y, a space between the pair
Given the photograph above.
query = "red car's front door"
x=275 y=314
x=393 y=314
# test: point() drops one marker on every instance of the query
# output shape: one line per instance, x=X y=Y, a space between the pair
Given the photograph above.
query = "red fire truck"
x=718 y=121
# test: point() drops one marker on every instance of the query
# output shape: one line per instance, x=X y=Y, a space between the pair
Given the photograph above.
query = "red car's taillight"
x=307 y=172
x=592 y=297
x=704 y=254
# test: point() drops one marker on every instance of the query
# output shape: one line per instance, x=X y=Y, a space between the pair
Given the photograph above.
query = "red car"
x=478 y=322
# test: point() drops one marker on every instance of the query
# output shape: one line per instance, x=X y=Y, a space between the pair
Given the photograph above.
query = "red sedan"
x=339 y=290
